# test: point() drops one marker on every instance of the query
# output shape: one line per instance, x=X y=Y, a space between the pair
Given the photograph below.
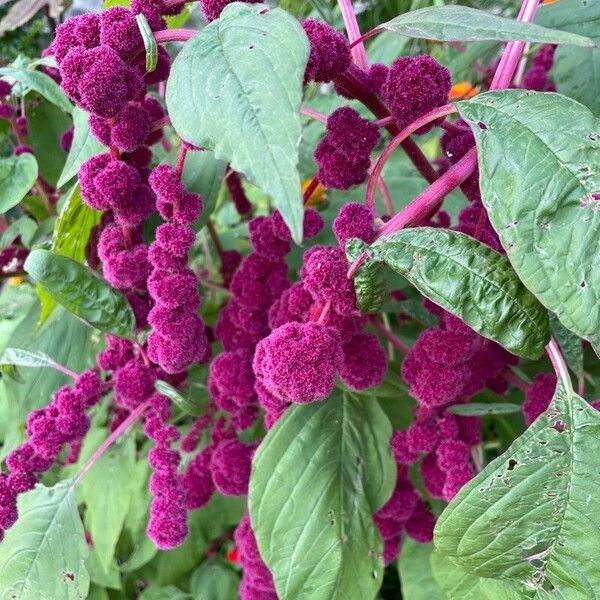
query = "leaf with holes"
x=544 y=205
x=43 y=554
x=236 y=88
x=17 y=176
x=82 y=292
x=532 y=516
x=312 y=510
x=369 y=279
x=472 y=281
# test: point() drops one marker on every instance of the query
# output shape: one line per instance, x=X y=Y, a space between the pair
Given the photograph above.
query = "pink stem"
x=384 y=122
x=174 y=35
x=314 y=114
x=65 y=371
x=110 y=440
x=388 y=335
x=515 y=380
x=386 y=196
x=396 y=141
x=181 y=158
x=160 y=123
x=359 y=54
x=324 y=313
x=312 y=186
x=559 y=364
x=365 y=36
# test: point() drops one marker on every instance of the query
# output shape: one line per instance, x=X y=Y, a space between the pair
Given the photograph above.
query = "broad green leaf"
x=543 y=205
x=452 y=23
x=312 y=510
x=472 y=281
x=21 y=357
x=369 y=280
x=236 y=88
x=416 y=577
x=169 y=592
x=203 y=174
x=570 y=344
x=188 y=405
x=23 y=227
x=43 y=554
x=40 y=83
x=107 y=506
x=480 y=409
x=82 y=292
x=97 y=593
x=576 y=71
x=532 y=516
x=213 y=580
x=83 y=147
x=17 y=176
x=107 y=578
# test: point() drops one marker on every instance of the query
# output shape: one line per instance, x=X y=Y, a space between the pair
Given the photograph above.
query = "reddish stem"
x=214 y=236
x=181 y=159
x=174 y=35
x=160 y=123
x=559 y=364
x=312 y=186
x=515 y=380
x=324 y=312
x=366 y=36
x=314 y=114
x=388 y=335
x=359 y=54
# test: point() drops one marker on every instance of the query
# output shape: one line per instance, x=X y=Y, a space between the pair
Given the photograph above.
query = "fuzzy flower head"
x=365 y=362
x=312 y=224
x=264 y=241
x=230 y=466
x=414 y=86
x=329 y=51
x=299 y=362
x=134 y=383
x=538 y=396
x=354 y=221
x=197 y=480
x=231 y=380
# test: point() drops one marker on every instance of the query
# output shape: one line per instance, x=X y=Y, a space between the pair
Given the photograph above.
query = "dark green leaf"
x=472 y=281
x=543 y=205
x=17 y=176
x=188 y=405
x=23 y=227
x=452 y=23
x=212 y=580
x=570 y=344
x=479 y=409
x=415 y=573
x=82 y=292
x=149 y=42
x=532 y=516
x=83 y=147
x=40 y=83
x=318 y=505
x=43 y=554
x=369 y=280
x=236 y=88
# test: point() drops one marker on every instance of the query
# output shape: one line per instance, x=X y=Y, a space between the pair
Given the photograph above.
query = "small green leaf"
x=191 y=407
x=82 y=292
x=312 y=512
x=472 y=281
x=570 y=344
x=544 y=205
x=84 y=146
x=452 y=23
x=149 y=42
x=40 y=83
x=532 y=516
x=480 y=409
x=26 y=358
x=414 y=568
x=23 y=227
x=17 y=176
x=369 y=279
x=236 y=88
x=213 y=580
x=43 y=554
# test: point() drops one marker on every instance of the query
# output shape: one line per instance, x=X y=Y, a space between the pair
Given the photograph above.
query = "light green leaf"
x=23 y=227
x=110 y=578
x=472 y=281
x=480 y=409
x=543 y=205
x=107 y=505
x=188 y=405
x=43 y=554
x=312 y=510
x=26 y=358
x=452 y=23
x=415 y=572
x=150 y=44
x=83 y=147
x=531 y=517
x=236 y=88
x=570 y=344
x=40 y=83
x=213 y=580
x=17 y=176
x=369 y=280
x=169 y=592
x=82 y=292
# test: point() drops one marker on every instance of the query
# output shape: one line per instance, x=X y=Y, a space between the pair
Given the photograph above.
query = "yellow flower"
x=16 y=280
x=318 y=196
x=463 y=90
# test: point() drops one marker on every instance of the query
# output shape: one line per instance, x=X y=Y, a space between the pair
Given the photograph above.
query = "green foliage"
x=480 y=409
x=418 y=582
x=543 y=205
x=369 y=280
x=212 y=580
x=217 y=98
x=17 y=176
x=150 y=44
x=325 y=546
x=472 y=281
x=44 y=552
x=190 y=406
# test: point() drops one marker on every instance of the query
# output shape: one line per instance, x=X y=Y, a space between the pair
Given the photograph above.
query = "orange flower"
x=463 y=90
x=319 y=195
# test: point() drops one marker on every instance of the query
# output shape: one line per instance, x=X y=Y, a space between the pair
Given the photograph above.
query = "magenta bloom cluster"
x=49 y=429
x=537 y=76
x=329 y=52
x=343 y=156
x=538 y=396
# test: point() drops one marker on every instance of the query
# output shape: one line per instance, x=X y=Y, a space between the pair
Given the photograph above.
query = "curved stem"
x=388 y=335
x=512 y=378
x=559 y=364
x=324 y=312
x=359 y=54
x=397 y=140
x=314 y=114
x=174 y=35
x=160 y=123
x=365 y=36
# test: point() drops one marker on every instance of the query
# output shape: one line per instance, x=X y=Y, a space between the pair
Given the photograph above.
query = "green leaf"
x=17 y=176
x=23 y=227
x=169 y=592
x=236 y=88
x=312 y=511
x=26 y=358
x=415 y=573
x=576 y=71
x=84 y=146
x=40 y=83
x=570 y=344
x=480 y=409
x=107 y=507
x=43 y=554
x=472 y=281
x=149 y=42
x=212 y=580
x=453 y=23
x=107 y=578
x=532 y=516
x=188 y=405
x=369 y=280
x=543 y=205
x=82 y=292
